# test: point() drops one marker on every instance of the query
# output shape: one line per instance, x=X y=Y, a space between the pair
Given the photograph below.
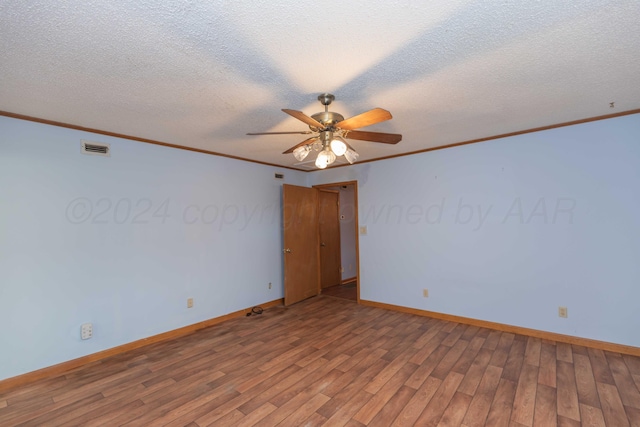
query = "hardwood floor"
x=346 y=291
x=329 y=361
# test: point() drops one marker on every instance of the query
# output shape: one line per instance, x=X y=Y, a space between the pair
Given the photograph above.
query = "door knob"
x=286 y=251
x=322 y=244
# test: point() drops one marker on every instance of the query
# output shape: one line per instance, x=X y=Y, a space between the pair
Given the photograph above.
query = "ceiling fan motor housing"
x=328 y=118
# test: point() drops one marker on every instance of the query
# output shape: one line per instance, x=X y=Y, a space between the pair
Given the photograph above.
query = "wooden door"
x=300 y=222
x=329 y=230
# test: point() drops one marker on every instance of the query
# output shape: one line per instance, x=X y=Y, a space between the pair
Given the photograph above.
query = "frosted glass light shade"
x=321 y=160
x=325 y=158
x=338 y=147
x=301 y=152
x=351 y=156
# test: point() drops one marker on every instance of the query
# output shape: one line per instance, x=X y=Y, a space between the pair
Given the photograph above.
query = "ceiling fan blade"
x=367 y=118
x=304 y=132
x=305 y=142
x=387 y=138
x=304 y=118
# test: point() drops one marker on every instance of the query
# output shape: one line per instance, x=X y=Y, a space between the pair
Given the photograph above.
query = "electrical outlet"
x=86 y=331
x=190 y=303
x=269 y=285
x=562 y=312
x=425 y=293
x=363 y=230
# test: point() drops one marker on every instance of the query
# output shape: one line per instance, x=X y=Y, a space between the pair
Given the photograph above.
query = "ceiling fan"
x=330 y=131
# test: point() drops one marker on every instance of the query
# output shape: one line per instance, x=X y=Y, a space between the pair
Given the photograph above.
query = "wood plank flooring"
x=347 y=291
x=329 y=361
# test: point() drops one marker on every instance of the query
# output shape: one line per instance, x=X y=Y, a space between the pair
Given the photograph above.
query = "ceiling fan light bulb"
x=351 y=156
x=301 y=153
x=338 y=147
x=322 y=160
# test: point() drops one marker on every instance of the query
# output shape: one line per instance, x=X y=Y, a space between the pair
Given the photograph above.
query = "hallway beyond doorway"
x=346 y=291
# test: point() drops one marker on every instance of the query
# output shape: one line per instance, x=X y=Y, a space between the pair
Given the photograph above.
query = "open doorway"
x=347 y=284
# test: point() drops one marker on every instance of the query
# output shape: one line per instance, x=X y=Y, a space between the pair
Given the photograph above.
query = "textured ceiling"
x=202 y=74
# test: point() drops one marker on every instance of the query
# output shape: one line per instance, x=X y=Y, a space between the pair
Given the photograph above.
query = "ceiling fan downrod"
x=327 y=118
x=326 y=99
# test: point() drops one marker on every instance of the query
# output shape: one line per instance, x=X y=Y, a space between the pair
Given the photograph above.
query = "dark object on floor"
x=255 y=310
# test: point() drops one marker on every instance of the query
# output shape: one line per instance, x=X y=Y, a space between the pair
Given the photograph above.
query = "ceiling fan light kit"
x=332 y=130
x=301 y=153
x=351 y=156
x=325 y=158
x=338 y=146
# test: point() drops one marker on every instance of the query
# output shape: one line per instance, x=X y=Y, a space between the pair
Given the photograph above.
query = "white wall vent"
x=95 y=148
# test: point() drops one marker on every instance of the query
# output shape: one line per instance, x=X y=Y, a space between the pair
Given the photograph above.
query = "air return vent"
x=95 y=148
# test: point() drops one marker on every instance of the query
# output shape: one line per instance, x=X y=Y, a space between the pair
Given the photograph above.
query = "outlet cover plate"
x=86 y=331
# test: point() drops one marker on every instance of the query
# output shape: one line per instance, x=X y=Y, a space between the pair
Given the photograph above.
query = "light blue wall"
x=511 y=229
x=505 y=231
x=122 y=242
